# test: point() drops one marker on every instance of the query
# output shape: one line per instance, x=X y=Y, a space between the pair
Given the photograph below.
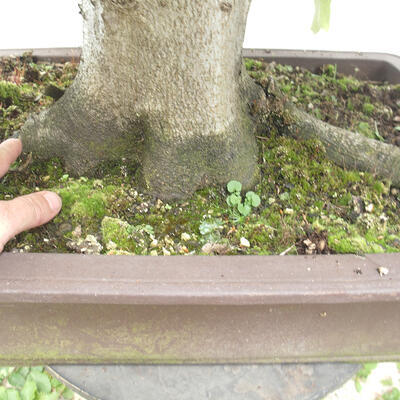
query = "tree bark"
x=160 y=83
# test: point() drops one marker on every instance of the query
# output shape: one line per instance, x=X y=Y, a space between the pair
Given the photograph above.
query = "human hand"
x=25 y=212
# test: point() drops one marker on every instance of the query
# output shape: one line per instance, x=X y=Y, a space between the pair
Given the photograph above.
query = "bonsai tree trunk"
x=160 y=83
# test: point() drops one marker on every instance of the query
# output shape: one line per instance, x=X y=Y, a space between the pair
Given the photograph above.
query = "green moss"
x=83 y=201
x=252 y=65
x=365 y=129
x=10 y=93
x=118 y=232
x=303 y=195
x=330 y=70
x=368 y=108
x=348 y=83
x=350 y=105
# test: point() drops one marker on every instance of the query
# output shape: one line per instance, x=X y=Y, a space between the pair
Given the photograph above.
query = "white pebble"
x=244 y=242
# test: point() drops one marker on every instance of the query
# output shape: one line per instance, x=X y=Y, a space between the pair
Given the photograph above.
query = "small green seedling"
x=210 y=230
x=235 y=200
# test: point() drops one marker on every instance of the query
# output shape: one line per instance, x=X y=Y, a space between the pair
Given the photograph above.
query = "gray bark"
x=160 y=83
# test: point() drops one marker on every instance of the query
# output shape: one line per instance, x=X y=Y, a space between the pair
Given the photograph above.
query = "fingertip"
x=16 y=143
x=9 y=152
x=53 y=200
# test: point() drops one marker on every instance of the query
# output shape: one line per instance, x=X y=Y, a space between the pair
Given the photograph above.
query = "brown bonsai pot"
x=121 y=309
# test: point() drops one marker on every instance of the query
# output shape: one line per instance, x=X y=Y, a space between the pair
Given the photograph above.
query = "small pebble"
x=168 y=241
x=322 y=245
x=77 y=232
x=159 y=204
x=244 y=242
x=111 y=245
x=383 y=271
x=207 y=248
x=369 y=208
x=185 y=237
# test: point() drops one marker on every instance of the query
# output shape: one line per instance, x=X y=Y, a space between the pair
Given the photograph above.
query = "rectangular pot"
x=58 y=308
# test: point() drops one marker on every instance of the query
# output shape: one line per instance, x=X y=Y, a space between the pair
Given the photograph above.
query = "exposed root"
x=80 y=132
x=347 y=149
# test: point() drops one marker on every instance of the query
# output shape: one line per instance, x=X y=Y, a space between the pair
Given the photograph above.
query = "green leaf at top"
x=322 y=15
x=253 y=199
x=13 y=394
x=234 y=186
x=28 y=392
x=42 y=381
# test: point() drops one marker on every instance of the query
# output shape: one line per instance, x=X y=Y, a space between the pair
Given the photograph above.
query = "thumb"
x=26 y=212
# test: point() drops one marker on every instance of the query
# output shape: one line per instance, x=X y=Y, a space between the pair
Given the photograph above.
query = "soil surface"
x=303 y=204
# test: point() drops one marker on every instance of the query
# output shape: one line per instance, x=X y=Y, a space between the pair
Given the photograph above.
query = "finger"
x=9 y=152
x=26 y=212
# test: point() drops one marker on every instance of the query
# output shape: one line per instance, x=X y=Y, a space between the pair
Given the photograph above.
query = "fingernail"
x=53 y=200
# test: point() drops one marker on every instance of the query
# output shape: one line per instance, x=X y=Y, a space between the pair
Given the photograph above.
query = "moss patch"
x=308 y=205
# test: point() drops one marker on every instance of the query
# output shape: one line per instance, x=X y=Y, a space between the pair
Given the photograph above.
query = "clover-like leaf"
x=42 y=381
x=244 y=209
x=233 y=200
x=16 y=379
x=234 y=186
x=29 y=390
x=253 y=199
x=24 y=371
